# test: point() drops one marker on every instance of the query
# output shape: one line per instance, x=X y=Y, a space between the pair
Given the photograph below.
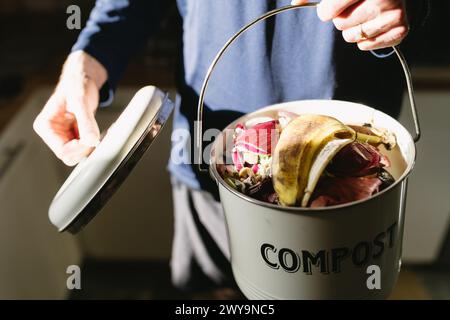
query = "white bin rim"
x=284 y=106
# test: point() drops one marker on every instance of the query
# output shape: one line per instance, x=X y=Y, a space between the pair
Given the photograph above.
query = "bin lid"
x=95 y=179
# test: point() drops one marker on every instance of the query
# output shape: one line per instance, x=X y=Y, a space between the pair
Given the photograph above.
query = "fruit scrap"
x=299 y=147
x=375 y=136
x=308 y=160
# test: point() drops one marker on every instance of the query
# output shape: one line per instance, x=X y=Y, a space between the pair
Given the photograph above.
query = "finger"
x=357 y=14
x=330 y=9
x=298 y=2
x=390 y=38
x=88 y=130
x=65 y=123
x=74 y=151
x=44 y=125
x=58 y=134
x=373 y=28
x=82 y=105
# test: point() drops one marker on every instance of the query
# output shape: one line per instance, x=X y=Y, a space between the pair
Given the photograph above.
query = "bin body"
x=350 y=251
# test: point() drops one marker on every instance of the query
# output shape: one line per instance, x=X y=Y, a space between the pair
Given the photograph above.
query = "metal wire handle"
x=199 y=129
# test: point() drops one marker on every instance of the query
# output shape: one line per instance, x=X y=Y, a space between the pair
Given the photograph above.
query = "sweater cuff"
x=107 y=90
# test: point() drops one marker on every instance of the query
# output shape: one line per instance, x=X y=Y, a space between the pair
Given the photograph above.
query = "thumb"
x=82 y=103
x=87 y=128
x=298 y=2
x=88 y=131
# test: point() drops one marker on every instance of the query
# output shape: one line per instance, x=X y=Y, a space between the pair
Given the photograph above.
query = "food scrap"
x=308 y=160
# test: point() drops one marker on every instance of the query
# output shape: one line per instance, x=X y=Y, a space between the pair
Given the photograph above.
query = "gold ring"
x=362 y=34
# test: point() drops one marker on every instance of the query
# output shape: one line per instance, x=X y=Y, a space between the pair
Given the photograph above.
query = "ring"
x=362 y=34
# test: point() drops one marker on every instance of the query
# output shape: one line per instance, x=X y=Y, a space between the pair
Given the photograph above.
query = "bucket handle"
x=200 y=107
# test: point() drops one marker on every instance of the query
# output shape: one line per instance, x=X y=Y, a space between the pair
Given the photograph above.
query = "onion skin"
x=356 y=160
x=258 y=139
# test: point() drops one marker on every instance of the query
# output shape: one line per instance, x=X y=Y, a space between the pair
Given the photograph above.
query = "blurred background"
x=125 y=251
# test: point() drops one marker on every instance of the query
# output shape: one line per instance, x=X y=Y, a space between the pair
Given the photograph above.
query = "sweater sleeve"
x=114 y=31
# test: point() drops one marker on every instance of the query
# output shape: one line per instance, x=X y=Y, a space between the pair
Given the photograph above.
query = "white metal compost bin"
x=337 y=252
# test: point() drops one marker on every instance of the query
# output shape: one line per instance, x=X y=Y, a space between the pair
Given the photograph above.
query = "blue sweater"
x=290 y=57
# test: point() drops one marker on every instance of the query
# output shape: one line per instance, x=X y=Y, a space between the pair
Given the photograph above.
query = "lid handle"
x=199 y=129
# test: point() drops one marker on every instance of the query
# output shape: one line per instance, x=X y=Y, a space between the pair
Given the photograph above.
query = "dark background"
x=34 y=42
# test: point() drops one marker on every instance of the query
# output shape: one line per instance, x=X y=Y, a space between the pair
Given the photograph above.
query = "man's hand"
x=67 y=121
x=372 y=24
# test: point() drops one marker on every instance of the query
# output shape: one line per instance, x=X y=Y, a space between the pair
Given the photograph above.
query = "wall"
x=33 y=256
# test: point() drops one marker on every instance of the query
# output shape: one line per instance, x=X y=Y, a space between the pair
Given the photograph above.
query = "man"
x=296 y=55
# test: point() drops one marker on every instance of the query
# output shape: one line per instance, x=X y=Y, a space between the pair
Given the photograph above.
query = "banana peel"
x=305 y=147
x=324 y=157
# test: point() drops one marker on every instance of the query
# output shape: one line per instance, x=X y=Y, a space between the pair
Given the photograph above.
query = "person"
x=293 y=56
